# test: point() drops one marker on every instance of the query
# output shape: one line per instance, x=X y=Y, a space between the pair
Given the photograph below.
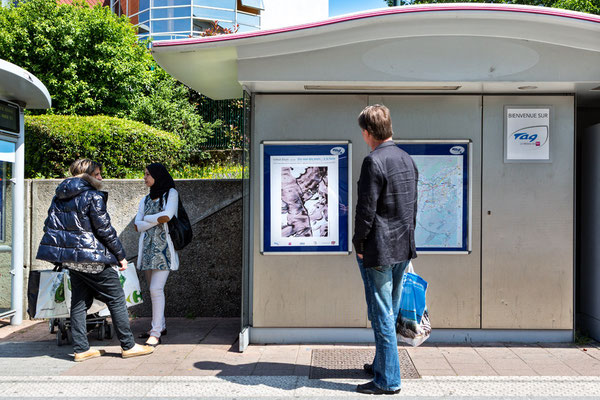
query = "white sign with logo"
x=527 y=134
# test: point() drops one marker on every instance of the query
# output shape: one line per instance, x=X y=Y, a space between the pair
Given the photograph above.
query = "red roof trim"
x=395 y=10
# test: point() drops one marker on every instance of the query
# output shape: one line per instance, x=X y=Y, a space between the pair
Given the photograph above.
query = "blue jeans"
x=382 y=289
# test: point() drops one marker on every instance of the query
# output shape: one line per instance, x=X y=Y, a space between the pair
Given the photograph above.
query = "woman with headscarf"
x=78 y=235
x=156 y=254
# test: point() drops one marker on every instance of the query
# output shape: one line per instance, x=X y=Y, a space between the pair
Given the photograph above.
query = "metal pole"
x=18 y=224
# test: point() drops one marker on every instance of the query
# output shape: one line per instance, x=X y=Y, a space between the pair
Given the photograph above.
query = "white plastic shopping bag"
x=413 y=326
x=54 y=295
x=131 y=286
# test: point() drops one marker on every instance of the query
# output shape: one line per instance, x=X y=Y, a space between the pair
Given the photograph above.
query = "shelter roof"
x=20 y=86
x=466 y=48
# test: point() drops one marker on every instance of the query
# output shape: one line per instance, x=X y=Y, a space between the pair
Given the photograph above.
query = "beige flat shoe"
x=86 y=355
x=137 y=350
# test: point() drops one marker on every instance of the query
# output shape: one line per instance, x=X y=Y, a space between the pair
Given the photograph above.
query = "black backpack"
x=180 y=228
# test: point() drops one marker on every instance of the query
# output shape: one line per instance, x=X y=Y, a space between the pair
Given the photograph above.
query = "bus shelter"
x=488 y=99
x=19 y=90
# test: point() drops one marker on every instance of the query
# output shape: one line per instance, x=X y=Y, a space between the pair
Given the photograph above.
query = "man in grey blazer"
x=384 y=239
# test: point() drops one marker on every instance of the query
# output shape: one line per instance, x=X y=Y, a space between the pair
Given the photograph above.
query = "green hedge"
x=52 y=142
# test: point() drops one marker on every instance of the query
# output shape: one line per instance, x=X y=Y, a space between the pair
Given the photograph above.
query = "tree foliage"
x=92 y=63
x=588 y=6
x=88 y=58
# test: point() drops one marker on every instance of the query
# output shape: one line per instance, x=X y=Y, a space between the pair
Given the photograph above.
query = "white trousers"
x=156 y=282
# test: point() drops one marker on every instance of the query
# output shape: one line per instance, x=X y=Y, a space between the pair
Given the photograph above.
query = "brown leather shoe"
x=89 y=354
x=137 y=350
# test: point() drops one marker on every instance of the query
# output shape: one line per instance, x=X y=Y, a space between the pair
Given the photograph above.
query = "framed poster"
x=444 y=190
x=305 y=197
x=527 y=134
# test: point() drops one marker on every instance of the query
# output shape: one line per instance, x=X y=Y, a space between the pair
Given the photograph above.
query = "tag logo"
x=535 y=136
x=457 y=150
x=337 y=151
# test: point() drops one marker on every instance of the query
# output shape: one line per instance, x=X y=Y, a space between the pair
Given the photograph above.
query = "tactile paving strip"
x=348 y=363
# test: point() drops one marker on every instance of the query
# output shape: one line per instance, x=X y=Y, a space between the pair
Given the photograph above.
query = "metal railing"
x=231 y=114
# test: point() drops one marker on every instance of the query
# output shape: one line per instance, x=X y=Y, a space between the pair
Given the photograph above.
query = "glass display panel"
x=9 y=117
x=7 y=151
x=305 y=196
x=6 y=207
x=443 y=210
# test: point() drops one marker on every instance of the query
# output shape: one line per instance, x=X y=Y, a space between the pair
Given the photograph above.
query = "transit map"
x=443 y=204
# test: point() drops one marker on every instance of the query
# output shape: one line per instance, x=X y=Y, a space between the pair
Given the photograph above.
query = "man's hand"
x=359 y=256
x=123 y=263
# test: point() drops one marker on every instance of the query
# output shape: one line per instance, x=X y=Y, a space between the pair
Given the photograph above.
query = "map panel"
x=440 y=208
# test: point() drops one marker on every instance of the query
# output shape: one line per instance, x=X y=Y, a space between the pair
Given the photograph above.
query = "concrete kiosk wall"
x=523 y=277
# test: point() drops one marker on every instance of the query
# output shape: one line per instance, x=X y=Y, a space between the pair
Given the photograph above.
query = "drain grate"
x=348 y=364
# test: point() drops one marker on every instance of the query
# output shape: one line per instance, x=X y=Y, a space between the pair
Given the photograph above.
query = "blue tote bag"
x=413 y=325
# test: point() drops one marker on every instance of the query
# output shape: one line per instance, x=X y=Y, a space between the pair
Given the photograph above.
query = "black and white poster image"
x=304 y=193
x=305 y=201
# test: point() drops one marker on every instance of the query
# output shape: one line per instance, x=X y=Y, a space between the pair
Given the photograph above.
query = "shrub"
x=52 y=142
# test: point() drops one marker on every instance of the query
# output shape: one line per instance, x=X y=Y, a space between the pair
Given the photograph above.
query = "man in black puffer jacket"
x=78 y=235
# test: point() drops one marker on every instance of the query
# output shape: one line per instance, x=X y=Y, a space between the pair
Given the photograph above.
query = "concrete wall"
x=208 y=282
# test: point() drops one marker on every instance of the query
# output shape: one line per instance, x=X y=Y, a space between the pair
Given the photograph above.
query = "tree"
x=588 y=6
x=167 y=104
x=92 y=63
x=88 y=58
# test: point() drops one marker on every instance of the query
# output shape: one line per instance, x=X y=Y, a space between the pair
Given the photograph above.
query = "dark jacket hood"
x=76 y=185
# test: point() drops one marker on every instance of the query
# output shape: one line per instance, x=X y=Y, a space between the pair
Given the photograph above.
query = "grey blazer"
x=386 y=210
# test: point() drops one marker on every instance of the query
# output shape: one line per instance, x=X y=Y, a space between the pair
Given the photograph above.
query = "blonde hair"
x=84 y=166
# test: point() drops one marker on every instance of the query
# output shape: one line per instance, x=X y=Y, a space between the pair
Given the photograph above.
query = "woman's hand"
x=123 y=263
x=163 y=219
x=135 y=227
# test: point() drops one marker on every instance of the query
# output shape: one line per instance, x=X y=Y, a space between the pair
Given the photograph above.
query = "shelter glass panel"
x=5 y=236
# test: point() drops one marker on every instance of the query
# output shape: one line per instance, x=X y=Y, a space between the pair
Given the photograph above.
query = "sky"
x=338 y=7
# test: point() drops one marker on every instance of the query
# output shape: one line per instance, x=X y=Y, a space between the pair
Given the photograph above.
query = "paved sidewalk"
x=199 y=358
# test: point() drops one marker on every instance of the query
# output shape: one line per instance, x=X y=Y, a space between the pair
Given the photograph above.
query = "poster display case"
x=305 y=197
x=444 y=202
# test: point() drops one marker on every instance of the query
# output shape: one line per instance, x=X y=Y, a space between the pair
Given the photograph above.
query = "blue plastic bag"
x=413 y=325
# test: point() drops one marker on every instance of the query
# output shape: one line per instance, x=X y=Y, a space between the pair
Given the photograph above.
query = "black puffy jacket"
x=78 y=227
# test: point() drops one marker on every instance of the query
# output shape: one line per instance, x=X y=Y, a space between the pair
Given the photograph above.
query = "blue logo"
x=337 y=151
x=524 y=136
x=457 y=150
